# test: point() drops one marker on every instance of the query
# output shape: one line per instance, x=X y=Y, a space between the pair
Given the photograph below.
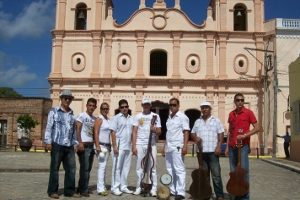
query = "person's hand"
x=227 y=151
x=163 y=153
x=116 y=151
x=153 y=129
x=80 y=147
x=218 y=150
x=98 y=150
x=241 y=137
x=134 y=151
x=184 y=150
x=48 y=147
x=199 y=141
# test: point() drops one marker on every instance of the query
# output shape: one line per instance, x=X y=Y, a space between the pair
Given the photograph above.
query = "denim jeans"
x=233 y=159
x=86 y=159
x=66 y=155
x=212 y=162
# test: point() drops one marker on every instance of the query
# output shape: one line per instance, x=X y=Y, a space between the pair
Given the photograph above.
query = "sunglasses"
x=172 y=105
x=68 y=98
x=122 y=107
x=239 y=100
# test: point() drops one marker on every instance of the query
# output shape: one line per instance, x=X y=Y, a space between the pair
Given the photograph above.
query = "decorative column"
x=259 y=43
x=61 y=16
x=222 y=58
x=108 y=46
x=57 y=54
x=140 y=54
x=223 y=14
x=96 y=53
x=221 y=104
x=176 y=54
x=142 y=4
x=98 y=14
x=258 y=16
x=209 y=56
x=177 y=4
x=138 y=99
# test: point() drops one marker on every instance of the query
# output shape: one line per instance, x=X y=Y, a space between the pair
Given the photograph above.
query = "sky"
x=25 y=36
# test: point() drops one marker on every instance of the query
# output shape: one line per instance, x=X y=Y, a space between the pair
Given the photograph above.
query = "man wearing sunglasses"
x=60 y=139
x=121 y=129
x=239 y=121
x=176 y=147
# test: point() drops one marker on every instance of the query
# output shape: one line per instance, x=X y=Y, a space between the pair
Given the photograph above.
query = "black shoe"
x=85 y=194
x=179 y=197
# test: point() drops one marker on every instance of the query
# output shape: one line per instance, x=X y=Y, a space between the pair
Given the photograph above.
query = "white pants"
x=141 y=152
x=102 y=171
x=120 y=170
x=175 y=167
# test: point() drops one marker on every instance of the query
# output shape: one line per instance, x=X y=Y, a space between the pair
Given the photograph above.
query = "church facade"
x=160 y=53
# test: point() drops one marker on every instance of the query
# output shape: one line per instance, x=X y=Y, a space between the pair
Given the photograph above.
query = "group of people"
x=124 y=135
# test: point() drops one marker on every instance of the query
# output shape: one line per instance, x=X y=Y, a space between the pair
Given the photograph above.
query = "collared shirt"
x=208 y=131
x=176 y=125
x=239 y=124
x=143 y=122
x=60 y=127
x=122 y=126
x=104 y=132
x=87 y=121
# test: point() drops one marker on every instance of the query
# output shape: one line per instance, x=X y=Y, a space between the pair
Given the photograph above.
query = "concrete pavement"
x=24 y=175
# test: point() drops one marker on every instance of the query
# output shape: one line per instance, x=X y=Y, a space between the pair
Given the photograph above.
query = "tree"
x=26 y=122
x=8 y=92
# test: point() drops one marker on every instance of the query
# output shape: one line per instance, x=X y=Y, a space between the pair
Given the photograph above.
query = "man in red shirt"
x=239 y=121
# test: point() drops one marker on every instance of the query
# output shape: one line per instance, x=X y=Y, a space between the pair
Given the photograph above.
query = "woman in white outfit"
x=103 y=146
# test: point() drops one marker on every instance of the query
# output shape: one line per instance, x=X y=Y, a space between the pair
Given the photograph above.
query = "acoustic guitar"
x=237 y=184
x=200 y=188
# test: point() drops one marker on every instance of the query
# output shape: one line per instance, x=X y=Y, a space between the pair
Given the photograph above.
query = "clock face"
x=166 y=179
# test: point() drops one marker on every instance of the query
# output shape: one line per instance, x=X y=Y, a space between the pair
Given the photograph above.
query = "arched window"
x=158 y=63
x=81 y=16
x=240 y=17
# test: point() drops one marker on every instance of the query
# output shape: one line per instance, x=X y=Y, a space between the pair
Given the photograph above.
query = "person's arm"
x=255 y=129
x=78 y=135
x=133 y=140
x=114 y=142
x=97 y=125
x=220 y=140
x=186 y=134
x=49 y=130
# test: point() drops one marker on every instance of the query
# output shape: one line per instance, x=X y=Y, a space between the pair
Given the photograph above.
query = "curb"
x=23 y=170
x=286 y=166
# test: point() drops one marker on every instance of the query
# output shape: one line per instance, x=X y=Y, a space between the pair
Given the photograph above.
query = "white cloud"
x=34 y=20
x=14 y=74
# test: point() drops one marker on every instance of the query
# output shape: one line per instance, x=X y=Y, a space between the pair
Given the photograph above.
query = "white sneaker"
x=127 y=191
x=137 y=191
x=116 y=192
x=153 y=193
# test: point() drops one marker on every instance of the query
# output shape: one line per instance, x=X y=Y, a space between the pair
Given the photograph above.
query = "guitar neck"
x=239 y=146
x=200 y=156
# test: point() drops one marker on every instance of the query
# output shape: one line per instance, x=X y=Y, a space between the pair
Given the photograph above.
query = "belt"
x=105 y=144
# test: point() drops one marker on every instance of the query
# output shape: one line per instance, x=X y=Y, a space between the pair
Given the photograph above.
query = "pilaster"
x=222 y=57
x=209 y=56
x=108 y=48
x=176 y=54
x=140 y=54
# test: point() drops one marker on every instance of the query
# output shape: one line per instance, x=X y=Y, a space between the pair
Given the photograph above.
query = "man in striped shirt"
x=60 y=138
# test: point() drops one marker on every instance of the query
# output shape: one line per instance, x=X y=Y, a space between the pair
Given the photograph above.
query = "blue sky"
x=25 y=36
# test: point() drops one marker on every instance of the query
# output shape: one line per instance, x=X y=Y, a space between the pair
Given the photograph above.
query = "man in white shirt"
x=176 y=147
x=209 y=131
x=140 y=139
x=84 y=130
x=121 y=130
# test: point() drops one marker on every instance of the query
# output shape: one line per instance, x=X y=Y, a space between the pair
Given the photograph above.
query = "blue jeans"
x=212 y=162
x=66 y=155
x=86 y=159
x=233 y=159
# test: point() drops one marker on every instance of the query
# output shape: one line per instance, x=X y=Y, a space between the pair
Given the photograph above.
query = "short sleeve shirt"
x=208 y=131
x=104 y=132
x=122 y=126
x=143 y=122
x=87 y=126
x=239 y=124
x=175 y=127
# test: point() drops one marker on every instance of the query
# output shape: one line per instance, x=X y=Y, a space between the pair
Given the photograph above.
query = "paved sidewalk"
x=24 y=176
x=284 y=163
